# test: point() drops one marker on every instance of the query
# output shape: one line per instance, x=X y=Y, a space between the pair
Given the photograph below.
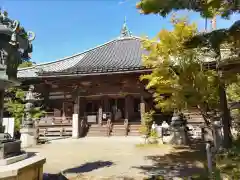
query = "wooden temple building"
x=97 y=85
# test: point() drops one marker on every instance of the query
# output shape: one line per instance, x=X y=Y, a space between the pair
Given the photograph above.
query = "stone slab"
x=14 y=169
x=14 y=159
x=10 y=149
x=28 y=137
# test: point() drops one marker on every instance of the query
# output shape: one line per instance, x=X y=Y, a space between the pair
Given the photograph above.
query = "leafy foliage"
x=227 y=162
x=233 y=90
x=15 y=105
x=14 y=102
x=207 y=8
x=14 y=99
x=146 y=124
x=26 y=64
x=179 y=78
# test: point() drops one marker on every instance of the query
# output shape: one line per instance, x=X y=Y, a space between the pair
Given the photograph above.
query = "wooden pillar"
x=82 y=106
x=76 y=106
x=128 y=107
x=142 y=108
x=63 y=108
x=106 y=104
x=46 y=94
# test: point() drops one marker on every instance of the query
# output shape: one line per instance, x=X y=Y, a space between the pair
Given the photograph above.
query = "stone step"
x=130 y=134
x=118 y=133
x=96 y=135
x=119 y=128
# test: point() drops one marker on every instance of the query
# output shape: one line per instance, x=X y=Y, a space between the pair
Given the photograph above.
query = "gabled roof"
x=121 y=54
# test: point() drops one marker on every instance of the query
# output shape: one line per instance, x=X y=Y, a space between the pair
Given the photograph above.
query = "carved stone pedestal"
x=28 y=137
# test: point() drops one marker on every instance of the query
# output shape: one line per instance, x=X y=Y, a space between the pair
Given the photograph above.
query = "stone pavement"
x=100 y=157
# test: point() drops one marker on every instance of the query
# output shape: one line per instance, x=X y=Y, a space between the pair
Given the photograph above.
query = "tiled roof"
x=122 y=54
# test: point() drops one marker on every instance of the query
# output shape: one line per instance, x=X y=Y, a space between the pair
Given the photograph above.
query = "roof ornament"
x=125 y=31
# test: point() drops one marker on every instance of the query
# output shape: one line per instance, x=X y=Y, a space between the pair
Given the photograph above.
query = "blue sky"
x=67 y=27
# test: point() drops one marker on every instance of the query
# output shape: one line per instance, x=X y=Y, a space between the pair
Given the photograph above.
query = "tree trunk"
x=226 y=118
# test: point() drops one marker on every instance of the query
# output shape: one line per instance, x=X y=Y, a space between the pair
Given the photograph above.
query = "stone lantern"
x=179 y=134
x=28 y=131
x=15 y=45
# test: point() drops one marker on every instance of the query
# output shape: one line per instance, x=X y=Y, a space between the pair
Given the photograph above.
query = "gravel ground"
x=98 y=156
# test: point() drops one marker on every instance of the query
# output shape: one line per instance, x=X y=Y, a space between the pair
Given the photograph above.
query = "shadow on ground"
x=181 y=162
x=87 y=167
x=54 y=177
x=90 y=166
x=48 y=140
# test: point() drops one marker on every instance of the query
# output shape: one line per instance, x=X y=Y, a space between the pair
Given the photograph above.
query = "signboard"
x=92 y=118
x=104 y=116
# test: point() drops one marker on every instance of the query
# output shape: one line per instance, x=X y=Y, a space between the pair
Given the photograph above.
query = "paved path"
x=100 y=156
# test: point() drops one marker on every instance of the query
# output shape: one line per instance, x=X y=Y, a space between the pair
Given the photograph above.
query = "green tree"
x=14 y=102
x=26 y=64
x=146 y=125
x=213 y=43
x=179 y=77
x=207 y=8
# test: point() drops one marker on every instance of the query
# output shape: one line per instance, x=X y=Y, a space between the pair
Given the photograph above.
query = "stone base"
x=10 y=149
x=30 y=168
x=28 y=137
x=14 y=159
x=177 y=137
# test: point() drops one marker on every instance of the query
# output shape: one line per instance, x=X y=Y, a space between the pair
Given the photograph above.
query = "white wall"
x=9 y=125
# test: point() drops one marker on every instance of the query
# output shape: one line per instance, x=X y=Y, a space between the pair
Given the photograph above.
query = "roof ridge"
x=77 y=54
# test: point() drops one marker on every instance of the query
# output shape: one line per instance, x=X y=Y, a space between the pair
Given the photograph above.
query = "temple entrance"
x=92 y=106
x=117 y=109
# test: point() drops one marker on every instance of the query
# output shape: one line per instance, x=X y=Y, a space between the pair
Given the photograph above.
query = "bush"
x=228 y=162
x=146 y=124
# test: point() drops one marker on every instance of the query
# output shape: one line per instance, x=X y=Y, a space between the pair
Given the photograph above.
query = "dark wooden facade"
x=95 y=97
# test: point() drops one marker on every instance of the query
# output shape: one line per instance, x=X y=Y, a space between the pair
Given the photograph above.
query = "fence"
x=54 y=126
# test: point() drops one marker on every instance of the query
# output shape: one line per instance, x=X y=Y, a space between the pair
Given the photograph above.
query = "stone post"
x=100 y=115
x=142 y=109
x=75 y=126
x=217 y=134
x=28 y=132
x=209 y=157
x=75 y=120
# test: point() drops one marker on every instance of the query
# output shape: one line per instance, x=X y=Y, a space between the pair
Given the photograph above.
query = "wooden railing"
x=54 y=126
